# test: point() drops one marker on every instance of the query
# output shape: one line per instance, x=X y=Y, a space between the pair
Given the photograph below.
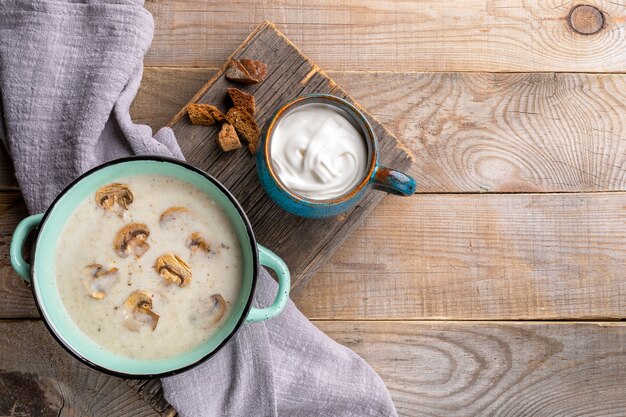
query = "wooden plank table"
x=499 y=289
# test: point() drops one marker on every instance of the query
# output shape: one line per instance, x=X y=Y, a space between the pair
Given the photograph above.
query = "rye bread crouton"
x=204 y=114
x=237 y=72
x=241 y=99
x=257 y=69
x=227 y=139
x=246 y=71
x=245 y=125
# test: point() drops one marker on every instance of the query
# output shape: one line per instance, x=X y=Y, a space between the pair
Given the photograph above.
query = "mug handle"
x=17 y=243
x=393 y=182
x=270 y=259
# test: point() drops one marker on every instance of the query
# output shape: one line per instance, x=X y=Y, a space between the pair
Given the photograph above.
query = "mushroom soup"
x=148 y=267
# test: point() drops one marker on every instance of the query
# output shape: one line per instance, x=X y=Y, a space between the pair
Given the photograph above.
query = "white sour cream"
x=317 y=153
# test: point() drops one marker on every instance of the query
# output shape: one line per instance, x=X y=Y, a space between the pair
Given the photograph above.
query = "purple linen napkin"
x=69 y=71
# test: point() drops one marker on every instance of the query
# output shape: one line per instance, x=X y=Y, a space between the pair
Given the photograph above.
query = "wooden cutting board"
x=305 y=244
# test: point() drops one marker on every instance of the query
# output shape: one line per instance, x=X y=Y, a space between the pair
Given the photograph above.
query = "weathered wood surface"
x=491 y=257
x=430 y=368
x=578 y=150
x=426 y=35
x=39 y=378
x=504 y=132
x=16 y=300
x=494 y=369
x=304 y=244
x=471 y=132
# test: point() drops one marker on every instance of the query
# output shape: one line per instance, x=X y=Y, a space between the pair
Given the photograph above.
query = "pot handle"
x=270 y=259
x=17 y=243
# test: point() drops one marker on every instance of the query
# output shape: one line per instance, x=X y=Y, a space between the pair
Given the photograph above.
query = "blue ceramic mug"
x=377 y=176
x=40 y=273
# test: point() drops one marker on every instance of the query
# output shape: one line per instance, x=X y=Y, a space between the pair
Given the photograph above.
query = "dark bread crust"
x=241 y=99
x=237 y=72
x=245 y=125
x=246 y=71
x=227 y=139
x=204 y=114
x=257 y=69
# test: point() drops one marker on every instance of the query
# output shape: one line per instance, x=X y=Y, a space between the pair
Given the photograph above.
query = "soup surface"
x=148 y=267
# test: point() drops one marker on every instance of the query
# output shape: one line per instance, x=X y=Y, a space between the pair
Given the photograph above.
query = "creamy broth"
x=188 y=315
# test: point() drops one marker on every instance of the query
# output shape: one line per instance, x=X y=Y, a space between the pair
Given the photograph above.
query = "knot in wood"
x=585 y=19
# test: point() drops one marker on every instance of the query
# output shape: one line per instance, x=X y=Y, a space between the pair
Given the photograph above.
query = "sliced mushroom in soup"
x=132 y=283
x=114 y=197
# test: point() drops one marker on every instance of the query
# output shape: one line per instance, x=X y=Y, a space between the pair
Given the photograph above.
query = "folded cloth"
x=68 y=73
x=282 y=367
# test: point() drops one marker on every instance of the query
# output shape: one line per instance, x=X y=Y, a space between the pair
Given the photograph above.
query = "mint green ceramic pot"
x=41 y=272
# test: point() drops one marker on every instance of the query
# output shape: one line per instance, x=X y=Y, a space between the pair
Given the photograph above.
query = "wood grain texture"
x=469 y=369
x=472 y=132
x=573 y=141
x=504 y=132
x=164 y=91
x=16 y=299
x=533 y=256
x=491 y=257
x=151 y=391
x=427 y=35
x=430 y=368
x=289 y=75
x=495 y=256
x=39 y=378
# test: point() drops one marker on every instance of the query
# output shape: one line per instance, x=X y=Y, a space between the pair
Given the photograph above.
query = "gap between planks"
x=9 y=189
x=602 y=321
x=373 y=72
